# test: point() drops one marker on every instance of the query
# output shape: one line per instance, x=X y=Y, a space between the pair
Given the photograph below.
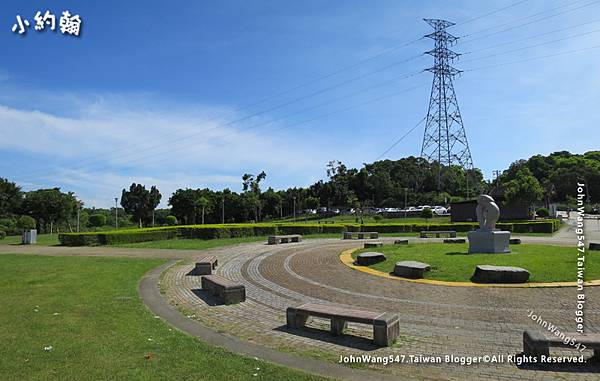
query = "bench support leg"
x=596 y=356
x=294 y=319
x=386 y=329
x=338 y=326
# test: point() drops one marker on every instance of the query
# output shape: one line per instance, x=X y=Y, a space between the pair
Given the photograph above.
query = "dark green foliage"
x=140 y=202
x=50 y=206
x=171 y=220
x=25 y=223
x=97 y=220
x=542 y=212
x=207 y=232
x=426 y=213
x=2 y=233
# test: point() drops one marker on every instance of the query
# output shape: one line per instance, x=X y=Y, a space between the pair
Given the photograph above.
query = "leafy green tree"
x=11 y=197
x=251 y=187
x=184 y=205
x=171 y=220
x=311 y=202
x=97 y=220
x=49 y=207
x=524 y=188
x=139 y=202
x=25 y=223
x=203 y=204
x=426 y=213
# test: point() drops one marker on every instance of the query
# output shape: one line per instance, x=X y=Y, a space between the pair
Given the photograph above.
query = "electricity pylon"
x=445 y=140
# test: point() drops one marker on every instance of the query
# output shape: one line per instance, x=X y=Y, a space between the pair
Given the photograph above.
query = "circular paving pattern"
x=434 y=320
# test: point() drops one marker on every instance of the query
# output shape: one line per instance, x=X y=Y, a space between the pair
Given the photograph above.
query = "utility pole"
x=152 y=217
x=294 y=208
x=223 y=210
x=116 y=214
x=444 y=140
x=78 y=212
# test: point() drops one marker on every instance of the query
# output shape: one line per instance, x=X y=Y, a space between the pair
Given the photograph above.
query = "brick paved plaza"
x=434 y=320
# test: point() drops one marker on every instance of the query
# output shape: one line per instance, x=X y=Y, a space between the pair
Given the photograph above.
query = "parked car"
x=439 y=210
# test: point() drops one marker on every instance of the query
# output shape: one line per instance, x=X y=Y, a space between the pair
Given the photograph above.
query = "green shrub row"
x=252 y=230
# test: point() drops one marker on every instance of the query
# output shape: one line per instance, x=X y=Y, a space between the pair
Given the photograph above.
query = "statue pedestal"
x=482 y=241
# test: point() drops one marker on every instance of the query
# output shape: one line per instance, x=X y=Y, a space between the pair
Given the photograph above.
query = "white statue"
x=487 y=213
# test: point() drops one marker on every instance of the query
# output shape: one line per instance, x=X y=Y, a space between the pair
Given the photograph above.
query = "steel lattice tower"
x=445 y=140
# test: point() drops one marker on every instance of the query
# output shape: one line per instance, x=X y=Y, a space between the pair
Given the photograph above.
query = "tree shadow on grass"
x=345 y=340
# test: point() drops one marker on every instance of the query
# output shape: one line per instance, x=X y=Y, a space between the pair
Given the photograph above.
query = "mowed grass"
x=42 y=240
x=450 y=262
x=88 y=310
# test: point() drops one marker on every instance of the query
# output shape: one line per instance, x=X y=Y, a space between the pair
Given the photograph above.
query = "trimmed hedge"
x=250 y=230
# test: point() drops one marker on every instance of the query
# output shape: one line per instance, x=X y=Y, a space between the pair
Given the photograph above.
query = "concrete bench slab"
x=538 y=343
x=369 y=258
x=205 y=266
x=369 y=245
x=225 y=289
x=401 y=242
x=594 y=246
x=455 y=240
x=361 y=235
x=386 y=326
x=277 y=239
x=437 y=233
x=499 y=274
x=411 y=269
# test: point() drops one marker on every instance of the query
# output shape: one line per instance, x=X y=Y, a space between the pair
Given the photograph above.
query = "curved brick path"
x=435 y=320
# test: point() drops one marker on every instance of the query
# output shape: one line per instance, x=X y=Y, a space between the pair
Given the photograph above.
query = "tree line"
x=387 y=183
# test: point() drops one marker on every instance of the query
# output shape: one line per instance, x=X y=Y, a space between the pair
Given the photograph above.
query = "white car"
x=439 y=210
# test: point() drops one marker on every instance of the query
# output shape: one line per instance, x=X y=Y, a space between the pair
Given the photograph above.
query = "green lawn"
x=450 y=262
x=42 y=239
x=89 y=312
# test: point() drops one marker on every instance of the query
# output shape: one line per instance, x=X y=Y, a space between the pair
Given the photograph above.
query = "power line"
x=531 y=37
x=469 y=40
x=533 y=46
x=490 y=13
x=534 y=58
x=401 y=138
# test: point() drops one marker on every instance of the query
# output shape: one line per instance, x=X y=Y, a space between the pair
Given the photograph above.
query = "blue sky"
x=168 y=93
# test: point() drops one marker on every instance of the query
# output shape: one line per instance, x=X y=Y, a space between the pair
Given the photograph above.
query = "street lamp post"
x=294 y=208
x=116 y=214
x=223 y=210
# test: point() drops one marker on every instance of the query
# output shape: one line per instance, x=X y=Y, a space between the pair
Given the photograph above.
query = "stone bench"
x=437 y=233
x=326 y=222
x=370 y=245
x=411 y=269
x=499 y=274
x=537 y=344
x=386 y=326
x=594 y=246
x=455 y=240
x=369 y=258
x=361 y=235
x=514 y=241
x=205 y=266
x=277 y=239
x=401 y=242
x=225 y=289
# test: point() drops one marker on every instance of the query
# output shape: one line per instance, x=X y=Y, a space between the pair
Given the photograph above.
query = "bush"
x=426 y=213
x=26 y=223
x=171 y=220
x=299 y=229
x=2 y=234
x=97 y=220
x=378 y=217
x=116 y=237
x=542 y=212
